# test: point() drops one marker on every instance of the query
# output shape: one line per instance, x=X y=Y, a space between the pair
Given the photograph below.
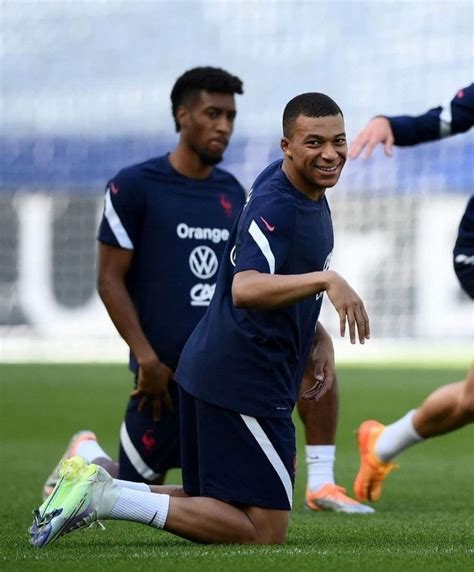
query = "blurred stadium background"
x=85 y=92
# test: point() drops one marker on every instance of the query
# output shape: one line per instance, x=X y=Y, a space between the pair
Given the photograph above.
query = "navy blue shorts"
x=149 y=448
x=236 y=458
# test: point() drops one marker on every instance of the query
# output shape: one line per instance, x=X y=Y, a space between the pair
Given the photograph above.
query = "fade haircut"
x=310 y=104
x=213 y=80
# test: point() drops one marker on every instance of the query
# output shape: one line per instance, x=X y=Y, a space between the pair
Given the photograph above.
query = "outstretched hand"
x=377 y=131
x=350 y=308
x=153 y=380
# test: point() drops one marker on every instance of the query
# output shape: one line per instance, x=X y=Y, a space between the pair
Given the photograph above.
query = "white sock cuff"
x=131 y=485
x=139 y=506
x=90 y=450
x=320 y=453
x=409 y=417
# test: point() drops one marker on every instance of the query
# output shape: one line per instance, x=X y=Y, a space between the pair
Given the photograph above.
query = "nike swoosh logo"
x=270 y=227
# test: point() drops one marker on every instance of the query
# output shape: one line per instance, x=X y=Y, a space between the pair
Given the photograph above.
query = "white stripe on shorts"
x=116 y=224
x=271 y=454
x=134 y=456
x=263 y=244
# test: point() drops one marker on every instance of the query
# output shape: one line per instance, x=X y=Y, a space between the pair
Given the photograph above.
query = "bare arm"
x=153 y=375
x=257 y=290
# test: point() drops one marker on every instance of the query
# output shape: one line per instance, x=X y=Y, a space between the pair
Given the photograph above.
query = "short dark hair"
x=213 y=80
x=310 y=104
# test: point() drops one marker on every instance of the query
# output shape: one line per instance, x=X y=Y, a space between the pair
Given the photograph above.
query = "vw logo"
x=203 y=262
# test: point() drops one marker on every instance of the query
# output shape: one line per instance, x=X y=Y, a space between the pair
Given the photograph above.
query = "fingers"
x=142 y=403
x=388 y=147
x=323 y=384
x=357 y=147
x=342 y=322
x=371 y=145
x=156 y=404
x=314 y=391
x=363 y=325
x=355 y=317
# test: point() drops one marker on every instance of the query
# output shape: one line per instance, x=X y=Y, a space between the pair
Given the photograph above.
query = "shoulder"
x=135 y=172
x=228 y=179
x=272 y=207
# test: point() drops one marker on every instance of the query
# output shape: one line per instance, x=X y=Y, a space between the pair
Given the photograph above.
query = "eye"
x=313 y=143
x=340 y=141
x=213 y=113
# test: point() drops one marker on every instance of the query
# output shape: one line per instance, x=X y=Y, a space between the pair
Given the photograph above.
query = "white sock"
x=320 y=461
x=132 y=485
x=139 y=506
x=397 y=437
x=90 y=450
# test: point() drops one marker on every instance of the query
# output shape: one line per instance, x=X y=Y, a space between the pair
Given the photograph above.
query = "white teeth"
x=328 y=169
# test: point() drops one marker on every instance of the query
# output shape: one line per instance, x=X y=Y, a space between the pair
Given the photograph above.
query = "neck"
x=310 y=190
x=187 y=163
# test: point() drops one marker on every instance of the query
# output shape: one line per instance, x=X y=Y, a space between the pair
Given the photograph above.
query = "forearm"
x=411 y=130
x=123 y=314
x=252 y=289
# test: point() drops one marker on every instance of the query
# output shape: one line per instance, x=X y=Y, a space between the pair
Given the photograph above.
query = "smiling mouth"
x=328 y=170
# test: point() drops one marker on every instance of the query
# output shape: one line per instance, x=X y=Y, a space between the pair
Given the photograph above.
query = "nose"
x=329 y=152
x=225 y=125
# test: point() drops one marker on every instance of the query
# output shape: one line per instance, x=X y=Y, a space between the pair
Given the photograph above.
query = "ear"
x=285 y=147
x=182 y=116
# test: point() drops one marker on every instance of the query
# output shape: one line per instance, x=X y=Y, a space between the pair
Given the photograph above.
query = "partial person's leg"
x=320 y=420
x=148 y=448
x=83 y=444
x=446 y=409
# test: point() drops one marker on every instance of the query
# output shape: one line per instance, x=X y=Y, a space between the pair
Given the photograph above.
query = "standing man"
x=240 y=370
x=166 y=222
x=165 y=225
x=451 y=406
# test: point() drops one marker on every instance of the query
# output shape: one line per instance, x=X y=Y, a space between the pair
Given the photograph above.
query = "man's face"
x=207 y=124
x=317 y=149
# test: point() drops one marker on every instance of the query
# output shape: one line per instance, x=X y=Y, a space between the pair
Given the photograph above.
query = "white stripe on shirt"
x=116 y=224
x=263 y=244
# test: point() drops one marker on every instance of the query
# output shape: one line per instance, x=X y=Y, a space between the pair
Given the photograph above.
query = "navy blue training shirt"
x=455 y=117
x=443 y=121
x=463 y=253
x=252 y=361
x=177 y=228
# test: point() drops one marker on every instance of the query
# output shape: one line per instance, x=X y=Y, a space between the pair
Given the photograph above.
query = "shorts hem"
x=225 y=497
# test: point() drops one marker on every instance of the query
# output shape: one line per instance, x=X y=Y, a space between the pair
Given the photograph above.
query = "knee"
x=467 y=401
x=271 y=532
x=269 y=537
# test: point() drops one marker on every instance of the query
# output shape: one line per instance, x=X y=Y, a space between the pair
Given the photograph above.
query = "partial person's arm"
x=405 y=130
x=321 y=363
x=257 y=290
x=153 y=376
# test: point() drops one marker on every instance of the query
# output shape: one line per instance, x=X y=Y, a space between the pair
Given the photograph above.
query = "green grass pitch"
x=425 y=520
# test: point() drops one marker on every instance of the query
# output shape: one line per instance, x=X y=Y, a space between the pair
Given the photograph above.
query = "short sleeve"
x=265 y=234
x=123 y=212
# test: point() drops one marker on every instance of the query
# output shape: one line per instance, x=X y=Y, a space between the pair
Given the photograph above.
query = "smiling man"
x=240 y=371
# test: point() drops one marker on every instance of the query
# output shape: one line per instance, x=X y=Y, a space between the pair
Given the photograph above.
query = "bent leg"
x=212 y=521
x=446 y=409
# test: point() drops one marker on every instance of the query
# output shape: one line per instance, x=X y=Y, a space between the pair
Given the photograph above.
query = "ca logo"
x=203 y=262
